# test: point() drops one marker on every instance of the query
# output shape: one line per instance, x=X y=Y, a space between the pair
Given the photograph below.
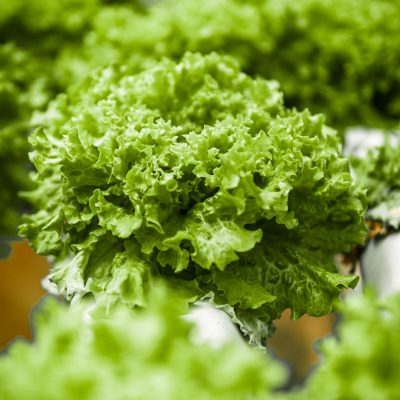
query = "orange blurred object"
x=294 y=342
x=20 y=290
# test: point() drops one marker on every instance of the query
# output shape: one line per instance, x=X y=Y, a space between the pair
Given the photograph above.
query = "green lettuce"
x=363 y=361
x=379 y=172
x=150 y=353
x=337 y=57
x=56 y=22
x=197 y=173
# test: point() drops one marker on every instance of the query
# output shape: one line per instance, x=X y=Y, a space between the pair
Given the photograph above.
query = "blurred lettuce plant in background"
x=363 y=361
x=143 y=354
x=335 y=57
x=22 y=89
x=379 y=172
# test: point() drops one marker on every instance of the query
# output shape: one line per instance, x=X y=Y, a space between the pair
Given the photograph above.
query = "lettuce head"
x=197 y=173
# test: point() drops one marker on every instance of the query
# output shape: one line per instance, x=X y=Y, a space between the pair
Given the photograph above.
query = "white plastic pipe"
x=213 y=326
x=380 y=264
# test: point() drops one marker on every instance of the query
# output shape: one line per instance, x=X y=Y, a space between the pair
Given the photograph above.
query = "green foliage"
x=22 y=89
x=195 y=172
x=146 y=354
x=336 y=57
x=167 y=29
x=363 y=362
x=379 y=172
x=54 y=22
